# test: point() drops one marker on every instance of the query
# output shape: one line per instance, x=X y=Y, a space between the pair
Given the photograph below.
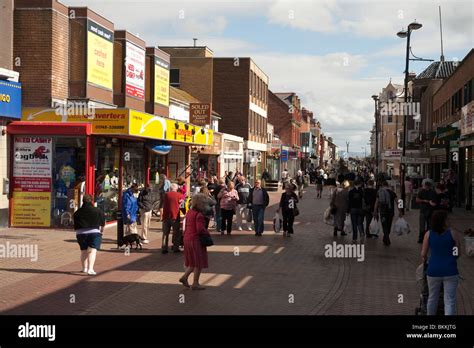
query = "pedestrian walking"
x=442 y=269
x=258 y=202
x=442 y=198
x=340 y=206
x=385 y=209
x=288 y=209
x=300 y=183
x=356 y=205
x=130 y=210
x=370 y=196
x=284 y=177
x=182 y=189
x=265 y=177
x=145 y=204
x=228 y=178
x=163 y=186
x=89 y=223
x=243 y=189
x=408 y=193
x=195 y=253
x=319 y=186
x=426 y=199
x=228 y=197
x=171 y=219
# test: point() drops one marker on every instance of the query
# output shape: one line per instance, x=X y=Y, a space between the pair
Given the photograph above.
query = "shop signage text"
x=100 y=51
x=135 y=71
x=200 y=114
x=162 y=82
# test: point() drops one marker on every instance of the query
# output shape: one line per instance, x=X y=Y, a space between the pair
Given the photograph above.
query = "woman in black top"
x=370 y=196
x=288 y=208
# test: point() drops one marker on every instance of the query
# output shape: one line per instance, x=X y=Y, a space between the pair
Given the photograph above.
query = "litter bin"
x=119 y=229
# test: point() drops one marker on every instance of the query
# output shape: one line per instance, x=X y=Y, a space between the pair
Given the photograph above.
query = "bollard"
x=119 y=229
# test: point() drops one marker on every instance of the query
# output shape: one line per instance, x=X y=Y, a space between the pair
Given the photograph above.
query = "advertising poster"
x=200 y=114
x=32 y=181
x=135 y=71
x=100 y=60
x=162 y=82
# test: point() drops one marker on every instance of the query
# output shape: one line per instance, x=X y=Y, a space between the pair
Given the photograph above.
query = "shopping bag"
x=131 y=229
x=249 y=215
x=374 y=227
x=328 y=217
x=401 y=227
x=277 y=222
x=348 y=224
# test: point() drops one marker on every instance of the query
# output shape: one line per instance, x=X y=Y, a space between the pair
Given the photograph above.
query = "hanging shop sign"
x=392 y=153
x=10 y=99
x=467 y=114
x=129 y=122
x=32 y=162
x=284 y=155
x=134 y=71
x=162 y=82
x=200 y=114
x=100 y=60
x=448 y=133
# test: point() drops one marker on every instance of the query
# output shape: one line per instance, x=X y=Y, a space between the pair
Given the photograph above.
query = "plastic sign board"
x=162 y=82
x=10 y=99
x=134 y=71
x=100 y=51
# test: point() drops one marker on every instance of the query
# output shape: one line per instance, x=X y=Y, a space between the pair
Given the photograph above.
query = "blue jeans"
x=357 y=220
x=450 y=285
x=258 y=212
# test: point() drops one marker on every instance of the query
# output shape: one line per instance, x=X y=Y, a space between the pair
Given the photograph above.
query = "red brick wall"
x=280 y=117
x=41 y=43
x=231 y=87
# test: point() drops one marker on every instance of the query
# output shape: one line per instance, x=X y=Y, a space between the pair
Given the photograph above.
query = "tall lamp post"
x=376 y=100
x=405 y=34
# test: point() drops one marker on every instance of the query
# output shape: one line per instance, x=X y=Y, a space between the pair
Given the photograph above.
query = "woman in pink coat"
x=195 y=255
x=228 y=202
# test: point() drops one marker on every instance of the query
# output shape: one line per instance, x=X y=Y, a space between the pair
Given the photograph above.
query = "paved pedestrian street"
x=247 y=274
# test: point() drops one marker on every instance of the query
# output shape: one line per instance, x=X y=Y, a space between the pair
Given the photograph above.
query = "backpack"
x=385 y=201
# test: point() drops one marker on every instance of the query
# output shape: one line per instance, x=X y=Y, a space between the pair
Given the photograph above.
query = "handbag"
x=206 y=240
x=296 y=211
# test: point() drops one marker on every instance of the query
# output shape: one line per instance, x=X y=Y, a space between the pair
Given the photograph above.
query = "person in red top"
x=195 y=254
x=171 y=218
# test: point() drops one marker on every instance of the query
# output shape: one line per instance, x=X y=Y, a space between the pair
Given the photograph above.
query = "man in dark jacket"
x=258 y=200
x=89 y=223
x=356 y=204
x=145 y=203
x=243 y=188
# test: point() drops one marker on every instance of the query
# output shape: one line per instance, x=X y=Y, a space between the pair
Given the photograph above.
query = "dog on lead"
x=131 y=239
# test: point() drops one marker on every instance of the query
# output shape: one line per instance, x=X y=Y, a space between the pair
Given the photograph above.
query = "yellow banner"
x=147 y=125
x=104 y=121
x=162 y=85
x=126 y=122
x=100 y=60
x=31 y=209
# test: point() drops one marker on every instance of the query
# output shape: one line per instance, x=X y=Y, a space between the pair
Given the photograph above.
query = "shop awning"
x=126 y=122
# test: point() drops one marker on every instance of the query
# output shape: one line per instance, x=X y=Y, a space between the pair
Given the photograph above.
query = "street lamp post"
x=376 y=99
x=405 y=34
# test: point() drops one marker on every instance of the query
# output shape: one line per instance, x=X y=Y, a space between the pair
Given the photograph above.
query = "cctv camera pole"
x=405 y=99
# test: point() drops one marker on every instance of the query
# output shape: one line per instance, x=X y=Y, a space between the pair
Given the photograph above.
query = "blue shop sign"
x=10 y=99
x=284 y=155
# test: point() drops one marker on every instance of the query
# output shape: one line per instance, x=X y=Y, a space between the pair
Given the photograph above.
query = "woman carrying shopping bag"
x=288 y=208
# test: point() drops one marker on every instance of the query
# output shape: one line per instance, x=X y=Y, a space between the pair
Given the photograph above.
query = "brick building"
x=453 y=108
x=237 y=89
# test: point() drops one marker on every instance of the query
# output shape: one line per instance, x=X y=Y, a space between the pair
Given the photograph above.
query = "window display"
x=133 y=164
x=107 y=155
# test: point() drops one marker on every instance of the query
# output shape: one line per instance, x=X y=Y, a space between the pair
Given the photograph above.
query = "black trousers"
x=288 y=220
x=167 y=225
x=386 y=226
x=368 y=220
x=226 y=222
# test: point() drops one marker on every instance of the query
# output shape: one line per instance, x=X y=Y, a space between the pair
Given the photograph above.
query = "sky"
x=335 y=54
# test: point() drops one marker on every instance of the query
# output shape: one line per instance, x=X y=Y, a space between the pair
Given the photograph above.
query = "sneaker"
x=240 y=228
x=84 y=270
x=91 y=272
x=250 y=228
x=145 y=241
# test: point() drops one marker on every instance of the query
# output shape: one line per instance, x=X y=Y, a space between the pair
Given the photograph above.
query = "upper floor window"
x=174 y=77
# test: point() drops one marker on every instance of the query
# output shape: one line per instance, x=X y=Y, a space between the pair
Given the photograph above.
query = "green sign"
x=448 y=133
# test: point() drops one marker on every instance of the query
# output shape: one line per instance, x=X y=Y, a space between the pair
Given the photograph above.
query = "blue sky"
x=334 y=54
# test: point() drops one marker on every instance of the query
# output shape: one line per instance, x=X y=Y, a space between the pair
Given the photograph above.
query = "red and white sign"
x=134 y=71
x=32 y=164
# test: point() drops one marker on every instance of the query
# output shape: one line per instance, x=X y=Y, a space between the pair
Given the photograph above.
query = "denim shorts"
x=89 y=240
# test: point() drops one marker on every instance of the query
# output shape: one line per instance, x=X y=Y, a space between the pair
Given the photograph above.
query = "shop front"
x=205 y=160
x=466 y=155
x=56 y=159
x=232 y=154
x=254 y=160
x=273 y=161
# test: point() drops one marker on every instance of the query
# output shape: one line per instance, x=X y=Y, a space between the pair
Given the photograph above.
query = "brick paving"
x=247 y=275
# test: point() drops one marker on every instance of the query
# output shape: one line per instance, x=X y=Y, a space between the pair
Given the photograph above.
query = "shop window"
x=133 y=164
x=107 y=156
x=68 y=179
x=157 y=167
x=174 y=78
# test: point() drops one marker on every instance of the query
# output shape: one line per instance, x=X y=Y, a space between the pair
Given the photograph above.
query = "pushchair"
x=422 y=282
